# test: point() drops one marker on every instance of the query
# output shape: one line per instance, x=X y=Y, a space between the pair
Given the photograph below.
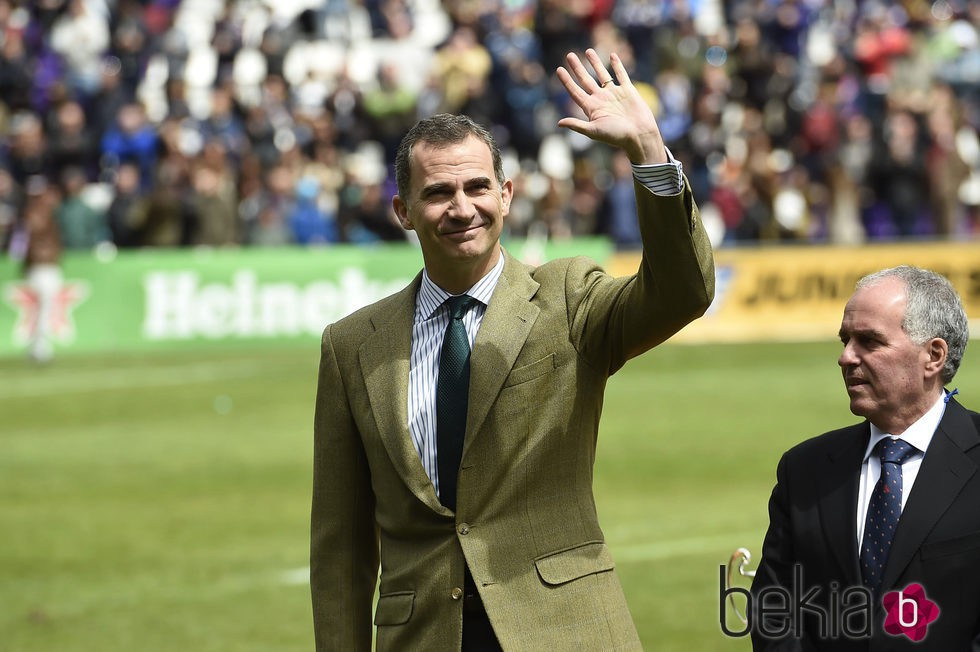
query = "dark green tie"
x=452 y=395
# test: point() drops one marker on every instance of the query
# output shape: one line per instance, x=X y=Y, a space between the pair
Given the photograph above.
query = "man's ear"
x=506 y=195
x=401 y=212
x=936 y=351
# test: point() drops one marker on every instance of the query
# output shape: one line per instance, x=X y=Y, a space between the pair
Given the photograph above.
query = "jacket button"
x=457 y=593
x=464 y=529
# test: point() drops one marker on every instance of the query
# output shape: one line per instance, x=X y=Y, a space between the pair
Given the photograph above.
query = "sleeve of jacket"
x=344 y=540
x=674 y=285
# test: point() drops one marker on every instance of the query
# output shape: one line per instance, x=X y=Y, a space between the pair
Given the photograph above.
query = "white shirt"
x=428 y=332
x=431 y=319
x=919 y=434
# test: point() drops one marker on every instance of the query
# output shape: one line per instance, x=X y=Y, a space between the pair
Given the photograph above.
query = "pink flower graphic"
x=909 y=612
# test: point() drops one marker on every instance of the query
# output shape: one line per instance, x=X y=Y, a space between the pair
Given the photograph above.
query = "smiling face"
x=890 y=380
x=457 y=207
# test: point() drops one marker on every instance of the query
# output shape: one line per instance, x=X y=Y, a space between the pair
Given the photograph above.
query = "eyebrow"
x=437 y=188
x=863 y=332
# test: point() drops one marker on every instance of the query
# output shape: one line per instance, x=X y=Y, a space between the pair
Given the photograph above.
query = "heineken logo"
x=180 y=306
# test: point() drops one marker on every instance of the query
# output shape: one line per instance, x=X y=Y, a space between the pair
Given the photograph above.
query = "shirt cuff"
x=664 y=179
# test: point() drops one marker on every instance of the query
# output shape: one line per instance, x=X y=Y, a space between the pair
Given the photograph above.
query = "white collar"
x=430 y=296
x=919 y=434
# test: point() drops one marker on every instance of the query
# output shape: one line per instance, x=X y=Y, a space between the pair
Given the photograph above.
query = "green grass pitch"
x=161 y=502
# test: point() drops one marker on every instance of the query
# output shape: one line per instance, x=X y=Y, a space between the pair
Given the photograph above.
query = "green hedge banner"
x=158 y=299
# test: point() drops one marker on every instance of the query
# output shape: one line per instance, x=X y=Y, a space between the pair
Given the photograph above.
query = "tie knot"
x=895 y=451
x=459 y=304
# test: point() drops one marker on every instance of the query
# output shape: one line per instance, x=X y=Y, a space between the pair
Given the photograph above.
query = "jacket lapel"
x=384 y=358
x=945 y=469
x=838 y=490
x=504 y=329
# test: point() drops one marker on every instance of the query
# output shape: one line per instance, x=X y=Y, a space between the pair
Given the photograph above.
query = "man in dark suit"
x=498 y=547
x=861 y=515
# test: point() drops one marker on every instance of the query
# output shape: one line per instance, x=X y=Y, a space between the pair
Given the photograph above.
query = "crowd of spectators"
x=162 y=123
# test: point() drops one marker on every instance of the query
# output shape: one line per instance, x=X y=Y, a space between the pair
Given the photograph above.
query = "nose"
x=460 y=206
x=847 y=357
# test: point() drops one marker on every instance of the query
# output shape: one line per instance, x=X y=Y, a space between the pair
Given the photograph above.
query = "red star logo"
x=24 y=300
x=909 y=612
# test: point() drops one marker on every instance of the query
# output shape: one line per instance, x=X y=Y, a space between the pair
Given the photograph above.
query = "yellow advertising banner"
x=798 y=293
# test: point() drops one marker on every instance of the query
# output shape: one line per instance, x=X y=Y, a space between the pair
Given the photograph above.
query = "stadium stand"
x=272 y=122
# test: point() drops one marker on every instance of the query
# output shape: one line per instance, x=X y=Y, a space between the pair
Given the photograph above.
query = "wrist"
x=649 y=151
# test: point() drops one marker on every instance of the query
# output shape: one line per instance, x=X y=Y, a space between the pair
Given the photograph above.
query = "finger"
x=585 y=80
x=574 y=90
x=622 y=77
x=575 y=124
x=602 y=74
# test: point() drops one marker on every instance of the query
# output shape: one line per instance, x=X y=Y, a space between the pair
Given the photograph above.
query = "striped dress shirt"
x=432 y=317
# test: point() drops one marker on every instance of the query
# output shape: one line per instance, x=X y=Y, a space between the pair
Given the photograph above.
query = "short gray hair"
x=932 y=309
x=441 y=130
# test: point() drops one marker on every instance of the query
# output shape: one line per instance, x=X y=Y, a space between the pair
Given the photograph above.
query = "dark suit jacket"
x=813 y=519
x=526 y=523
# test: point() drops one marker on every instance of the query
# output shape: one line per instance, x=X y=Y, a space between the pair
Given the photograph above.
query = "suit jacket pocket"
x=572 y=563
x=530 y=371
x=966 y=543
x=394 y=608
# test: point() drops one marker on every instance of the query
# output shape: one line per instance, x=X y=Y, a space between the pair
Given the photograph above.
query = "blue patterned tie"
x=452 y=395
x=884 y=509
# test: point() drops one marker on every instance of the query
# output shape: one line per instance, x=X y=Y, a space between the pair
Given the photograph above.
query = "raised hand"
x=615 y=111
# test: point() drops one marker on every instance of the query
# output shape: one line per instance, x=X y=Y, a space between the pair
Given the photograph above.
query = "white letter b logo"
x=902 y=601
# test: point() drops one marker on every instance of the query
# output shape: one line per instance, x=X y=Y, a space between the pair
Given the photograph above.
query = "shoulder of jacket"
x=974 y=416
x=833 y=439
x=363 y=320
x=561 y=268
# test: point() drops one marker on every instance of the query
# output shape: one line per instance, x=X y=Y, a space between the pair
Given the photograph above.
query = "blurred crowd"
x=165 y=123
